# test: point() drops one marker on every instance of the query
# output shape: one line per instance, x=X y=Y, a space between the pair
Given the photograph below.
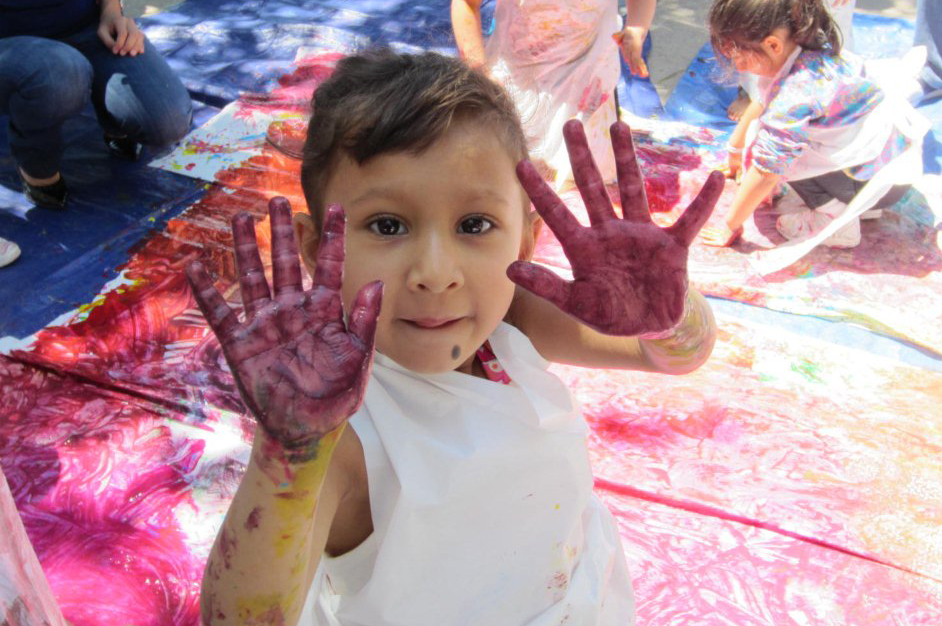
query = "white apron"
x=836 y=149
x=482 y=505
x=558 y=61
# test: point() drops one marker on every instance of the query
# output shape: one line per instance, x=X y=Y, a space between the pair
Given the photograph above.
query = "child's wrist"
x=686 y=339
x=293 y=469
x=731 y=149
x=660 y=335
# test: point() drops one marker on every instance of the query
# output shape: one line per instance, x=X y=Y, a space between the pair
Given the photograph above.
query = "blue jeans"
x=43 y=82
x=929 y=34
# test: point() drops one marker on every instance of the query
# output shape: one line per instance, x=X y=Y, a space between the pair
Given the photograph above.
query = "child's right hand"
x=299 y=370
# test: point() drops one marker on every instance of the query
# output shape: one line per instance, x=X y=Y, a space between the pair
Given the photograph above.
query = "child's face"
x=439 y=229
x=769 y=58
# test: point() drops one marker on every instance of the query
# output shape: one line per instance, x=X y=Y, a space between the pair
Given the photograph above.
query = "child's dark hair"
x=380 y=101
x=744 y=24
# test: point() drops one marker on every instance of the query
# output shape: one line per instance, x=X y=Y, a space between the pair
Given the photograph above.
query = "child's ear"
x=531 y=231
x=307 y=236
x=775 y=42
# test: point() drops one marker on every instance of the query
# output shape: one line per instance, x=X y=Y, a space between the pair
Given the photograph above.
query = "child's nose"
x=435 y=267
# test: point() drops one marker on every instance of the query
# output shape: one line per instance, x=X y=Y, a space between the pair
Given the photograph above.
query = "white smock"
x=558 y=61
x=840 y=148
x=482 y=505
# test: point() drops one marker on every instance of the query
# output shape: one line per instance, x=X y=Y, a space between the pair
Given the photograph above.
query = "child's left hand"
x=629 y=275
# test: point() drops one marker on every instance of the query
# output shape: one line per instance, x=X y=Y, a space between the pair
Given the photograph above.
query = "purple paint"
x=301 y=372
x=251 y=522
x=629 y=275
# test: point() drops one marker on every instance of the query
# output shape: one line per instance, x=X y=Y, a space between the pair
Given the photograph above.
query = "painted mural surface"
x=789 y=481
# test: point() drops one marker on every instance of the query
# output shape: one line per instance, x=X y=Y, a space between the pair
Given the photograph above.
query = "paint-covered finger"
x=252 y=282
x=542 y=282
x=685 y=229
x=634 y=200
x=286 y=268
x=553 y=211
x=221 y=318
x=330 y=252
x=586 y=174
x=365 y=312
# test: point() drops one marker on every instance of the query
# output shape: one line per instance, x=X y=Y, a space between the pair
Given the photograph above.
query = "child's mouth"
x=430 y=323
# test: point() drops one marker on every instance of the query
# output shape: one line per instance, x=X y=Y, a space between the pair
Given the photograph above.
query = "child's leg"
x=827 y=197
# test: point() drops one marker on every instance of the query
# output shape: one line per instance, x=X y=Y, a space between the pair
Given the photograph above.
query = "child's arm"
x=631 y=37
x=266 y=553
x=466 y=24
x=561 y=338
x=753 y=188
x=737 y=139
x=301 y=373
x=628 y=304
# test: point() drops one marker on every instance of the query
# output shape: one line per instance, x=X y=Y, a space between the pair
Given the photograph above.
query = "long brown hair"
x=744 y=24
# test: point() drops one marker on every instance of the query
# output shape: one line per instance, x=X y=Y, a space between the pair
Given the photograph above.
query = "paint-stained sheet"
x=786 y=482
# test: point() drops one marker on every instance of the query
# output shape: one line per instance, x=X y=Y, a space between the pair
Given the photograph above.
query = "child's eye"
x=387 y=227
x=475 y=225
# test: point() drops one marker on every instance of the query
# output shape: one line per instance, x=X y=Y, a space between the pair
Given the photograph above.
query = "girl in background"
x=821 y=123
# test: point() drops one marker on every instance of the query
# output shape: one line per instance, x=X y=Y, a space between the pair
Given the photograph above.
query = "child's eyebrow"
x=381 y=193
x=482 y=194
x=467 y=194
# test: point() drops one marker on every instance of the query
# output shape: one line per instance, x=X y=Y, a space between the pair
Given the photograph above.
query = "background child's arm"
x=738 y=137
x=301 y=372
x=629 y=301
x=753 y=188
x=466 y=24
x=631 y=37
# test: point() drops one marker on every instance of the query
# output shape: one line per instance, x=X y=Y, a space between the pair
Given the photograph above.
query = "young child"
x=461 y=492
x=822 y=124
x=843 y=13
x=558 y=61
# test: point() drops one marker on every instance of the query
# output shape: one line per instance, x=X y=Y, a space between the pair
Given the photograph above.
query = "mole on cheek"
x=455 y=352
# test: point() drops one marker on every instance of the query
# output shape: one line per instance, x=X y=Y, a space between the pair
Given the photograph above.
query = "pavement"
x=678 y=32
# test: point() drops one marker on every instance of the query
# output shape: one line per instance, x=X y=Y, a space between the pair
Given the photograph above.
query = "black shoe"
x=124 y=148
x=52 y=196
